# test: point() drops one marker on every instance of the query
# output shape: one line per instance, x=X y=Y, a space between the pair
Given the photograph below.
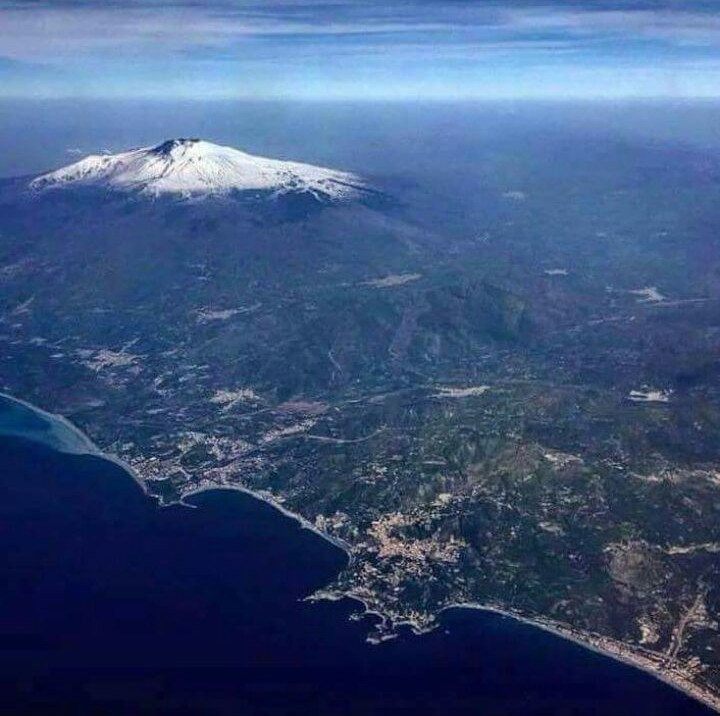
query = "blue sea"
x=111 y=605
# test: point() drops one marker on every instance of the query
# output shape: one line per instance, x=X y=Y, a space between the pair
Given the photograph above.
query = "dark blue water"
x=109 y=605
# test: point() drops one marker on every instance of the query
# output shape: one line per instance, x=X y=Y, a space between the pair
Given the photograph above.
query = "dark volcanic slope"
x=505 y=392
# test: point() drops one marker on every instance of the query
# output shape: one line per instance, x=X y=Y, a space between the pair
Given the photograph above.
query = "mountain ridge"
x=192 y=168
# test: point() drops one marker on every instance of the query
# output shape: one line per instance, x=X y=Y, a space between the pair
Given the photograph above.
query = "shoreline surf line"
x=91 y=450
x=620 y=651
x=271 y=500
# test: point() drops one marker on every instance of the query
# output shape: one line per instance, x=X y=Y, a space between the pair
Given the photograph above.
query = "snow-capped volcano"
x=193 y=167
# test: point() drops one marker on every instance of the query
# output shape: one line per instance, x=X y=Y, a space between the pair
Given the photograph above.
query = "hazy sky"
x=359 y=48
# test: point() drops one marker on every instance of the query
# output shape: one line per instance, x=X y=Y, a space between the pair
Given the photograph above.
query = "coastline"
x=273 y=502
x=92 y=449
x=619 y=651
x=602 y=645
x=606 y=647
x=51 y=418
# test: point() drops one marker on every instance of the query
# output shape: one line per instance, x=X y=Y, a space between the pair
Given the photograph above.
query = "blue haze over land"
x=427 y=141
